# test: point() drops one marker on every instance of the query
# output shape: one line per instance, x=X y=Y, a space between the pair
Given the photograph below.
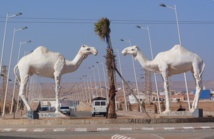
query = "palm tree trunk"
x=110 y=62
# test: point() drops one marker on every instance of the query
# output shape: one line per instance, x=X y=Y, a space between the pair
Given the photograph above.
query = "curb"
x=69 y=121
x=102 y=129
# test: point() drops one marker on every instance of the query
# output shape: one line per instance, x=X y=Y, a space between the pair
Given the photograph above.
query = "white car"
x=65 y=110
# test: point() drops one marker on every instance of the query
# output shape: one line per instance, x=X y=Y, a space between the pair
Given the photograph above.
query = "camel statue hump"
x=41 y=49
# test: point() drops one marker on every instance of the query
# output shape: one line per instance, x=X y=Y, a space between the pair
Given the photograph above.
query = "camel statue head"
x=132 y=50
x=87 y=50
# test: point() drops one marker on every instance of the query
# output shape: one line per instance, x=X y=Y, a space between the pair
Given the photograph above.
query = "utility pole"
x=4 y=80
x=148 y=85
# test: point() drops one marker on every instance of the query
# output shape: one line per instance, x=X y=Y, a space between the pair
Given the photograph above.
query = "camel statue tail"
x=203 y=66
x=15 y=73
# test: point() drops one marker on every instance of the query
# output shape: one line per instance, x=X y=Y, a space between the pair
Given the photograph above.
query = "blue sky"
x=63 y=26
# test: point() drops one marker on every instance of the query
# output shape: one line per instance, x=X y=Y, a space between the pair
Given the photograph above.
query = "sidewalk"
x=137 y=114
x=124 y=117
x=120 y=114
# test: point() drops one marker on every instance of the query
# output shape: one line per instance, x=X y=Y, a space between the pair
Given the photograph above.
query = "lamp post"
x=14 y=84
x=85 y=86
x=134 y=71
x=124 y=94
x=90 y=85
x=99 y=79
x=11 y=54
x=179 y=38
x=81 y=96
x=104 y=76
x=94 y=80
x=20 y=45
x=8 y=73
x=151 y=50
x=4 y=37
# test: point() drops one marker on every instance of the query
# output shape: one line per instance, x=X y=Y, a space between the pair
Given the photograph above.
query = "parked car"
x=65 y=110
x=44 y=109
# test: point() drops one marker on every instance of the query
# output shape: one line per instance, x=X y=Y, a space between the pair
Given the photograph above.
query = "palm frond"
x=102 y=28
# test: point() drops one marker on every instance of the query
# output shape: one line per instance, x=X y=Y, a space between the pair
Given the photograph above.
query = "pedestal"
x=52 y=115
x=196 y=113
x=33 y=115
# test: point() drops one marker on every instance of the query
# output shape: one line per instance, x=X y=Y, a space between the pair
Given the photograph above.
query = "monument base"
x=196 y=113
x=33 y=115
x=39 y=115
x=52 y=115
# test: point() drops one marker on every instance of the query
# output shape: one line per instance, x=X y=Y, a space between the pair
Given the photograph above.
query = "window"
x=97 y=103
x=103 y=103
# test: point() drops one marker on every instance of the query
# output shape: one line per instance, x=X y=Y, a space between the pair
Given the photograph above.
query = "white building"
x=132 y=99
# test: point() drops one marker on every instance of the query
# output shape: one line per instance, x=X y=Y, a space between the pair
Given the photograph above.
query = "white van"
x=99 y=106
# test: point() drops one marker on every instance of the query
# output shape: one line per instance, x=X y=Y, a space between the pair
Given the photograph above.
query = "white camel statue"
x=174 y=61
x=48 y=64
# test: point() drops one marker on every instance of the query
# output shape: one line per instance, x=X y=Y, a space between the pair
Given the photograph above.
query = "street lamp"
x=104 y=76
x=14 y=85
x=179 y=38
x=94 y=80
x=85 y=86
x=99 y=79
x=176 y=16
x=82 y=89
x=90 y=86
x=11 y=53
x=20 y=45
x=89 y=90
x=4 y=37
x=8 y=73
x=134 y=71
x=124 y=94
x=151 y=50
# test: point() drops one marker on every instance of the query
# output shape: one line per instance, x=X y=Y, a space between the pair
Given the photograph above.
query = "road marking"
x=81 y=129
x=21 y=130
x=7 y=129
x=125 y=129
x=188 y=128
x=168 y=128
x=157 y=136
x=115 y=136
x=147 y=128
x=39 y=130
x=120 y=137
x=59 y=129
x=102 y=129
x=205 y=127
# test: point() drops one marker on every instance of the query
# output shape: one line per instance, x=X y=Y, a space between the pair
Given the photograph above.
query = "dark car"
x=65 y=110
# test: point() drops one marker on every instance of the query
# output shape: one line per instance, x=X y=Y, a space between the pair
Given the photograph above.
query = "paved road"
x=96 y=129
x=109 y=131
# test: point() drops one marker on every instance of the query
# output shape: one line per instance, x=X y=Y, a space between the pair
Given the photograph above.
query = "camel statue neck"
x=145 y=63
x=73 y=65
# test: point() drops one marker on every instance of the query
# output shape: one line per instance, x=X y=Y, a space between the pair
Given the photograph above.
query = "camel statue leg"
x=57 y=91
x=166 y=90
x=22 y=90
x=198 y=89
x=57 y=76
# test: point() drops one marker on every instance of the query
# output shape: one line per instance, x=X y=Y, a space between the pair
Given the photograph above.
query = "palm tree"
x=103 y=31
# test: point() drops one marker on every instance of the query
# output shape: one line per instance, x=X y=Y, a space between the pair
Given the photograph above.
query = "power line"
x=113 y=22
x=40 y=20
